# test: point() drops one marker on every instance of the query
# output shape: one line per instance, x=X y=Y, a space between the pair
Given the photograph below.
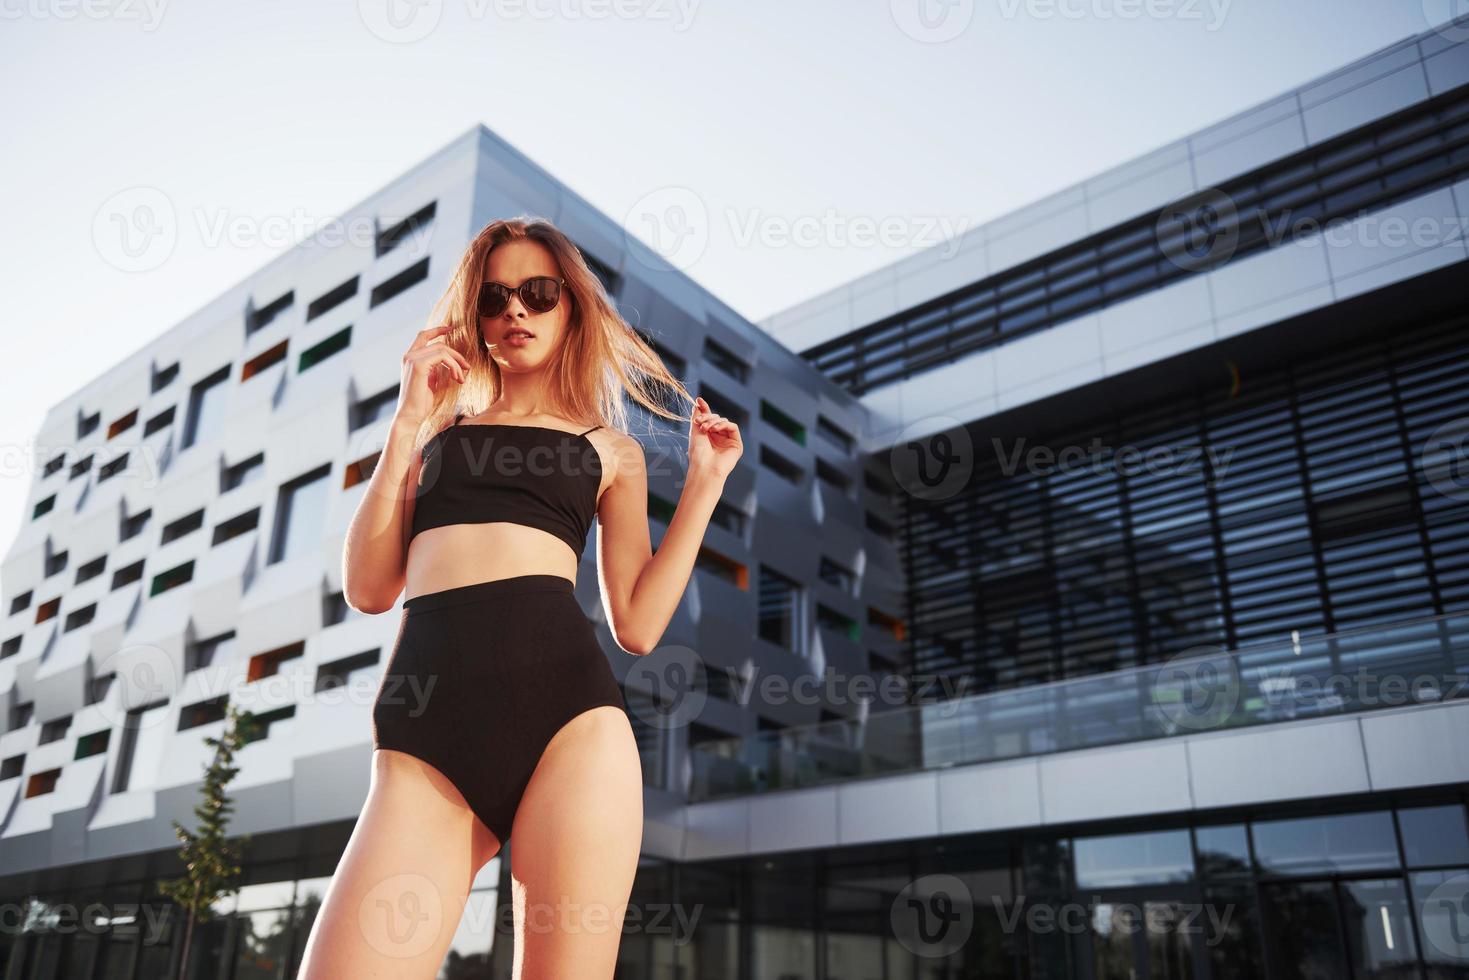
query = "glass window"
x=1133 y=859
x=1434 y=836
x=1316 y=845
x=1379 y=929
x=301 y=515
x=1223 y=851
x=1301 y=923
x=206 y=408
x=1441 y=899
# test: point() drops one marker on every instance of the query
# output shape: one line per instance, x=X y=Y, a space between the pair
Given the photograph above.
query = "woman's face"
x=512 y=264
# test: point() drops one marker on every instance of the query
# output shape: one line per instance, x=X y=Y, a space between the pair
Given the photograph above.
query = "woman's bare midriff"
x=447 y=557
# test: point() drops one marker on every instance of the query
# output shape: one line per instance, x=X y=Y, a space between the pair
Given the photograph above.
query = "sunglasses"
x=538 y=294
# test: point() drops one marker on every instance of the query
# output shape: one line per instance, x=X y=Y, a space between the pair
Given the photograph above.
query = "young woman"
x=498 y=714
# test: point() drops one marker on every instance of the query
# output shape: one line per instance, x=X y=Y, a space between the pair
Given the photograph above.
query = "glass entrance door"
x=1153 y=935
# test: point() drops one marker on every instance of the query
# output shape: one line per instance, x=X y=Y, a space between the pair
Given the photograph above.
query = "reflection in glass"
x=1313 y=845
x=1224 y=852
x=1379 y=928
x=1441 y=899
x=1229 y=920
x=1133 y=859
x=1304 y=941
x=1434 y=836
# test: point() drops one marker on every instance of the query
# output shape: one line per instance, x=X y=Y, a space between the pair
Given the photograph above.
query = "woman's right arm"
x=374 y=557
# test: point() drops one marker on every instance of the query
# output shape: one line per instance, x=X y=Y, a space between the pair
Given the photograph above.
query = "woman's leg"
x=576 y=838
x=398 y=893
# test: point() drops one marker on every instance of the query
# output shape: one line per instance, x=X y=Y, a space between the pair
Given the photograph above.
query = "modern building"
x=1151 y=495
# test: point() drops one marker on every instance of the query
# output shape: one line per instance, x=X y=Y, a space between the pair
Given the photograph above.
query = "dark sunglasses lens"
x=493 y=298
x=540 y=294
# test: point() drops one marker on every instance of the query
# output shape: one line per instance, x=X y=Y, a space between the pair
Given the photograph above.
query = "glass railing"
x=1386 y=666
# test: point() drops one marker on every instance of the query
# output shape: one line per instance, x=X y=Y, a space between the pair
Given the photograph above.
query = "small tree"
x=210 y=860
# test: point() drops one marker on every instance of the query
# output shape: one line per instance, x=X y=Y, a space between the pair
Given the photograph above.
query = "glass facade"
x=1309 y=502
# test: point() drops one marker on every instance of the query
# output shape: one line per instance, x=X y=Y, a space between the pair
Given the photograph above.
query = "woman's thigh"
x=575 y=840
x=399 y=891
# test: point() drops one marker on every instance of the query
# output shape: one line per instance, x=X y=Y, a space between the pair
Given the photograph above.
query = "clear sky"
x=778 y=116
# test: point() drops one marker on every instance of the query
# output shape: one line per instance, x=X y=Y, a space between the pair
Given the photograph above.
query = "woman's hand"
x=714 y=441
x=429 y=366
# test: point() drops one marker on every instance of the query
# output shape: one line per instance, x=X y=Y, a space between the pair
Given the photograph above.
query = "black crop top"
x=522 y=474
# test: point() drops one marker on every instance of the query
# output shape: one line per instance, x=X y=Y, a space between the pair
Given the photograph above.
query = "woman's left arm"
x=642 y=590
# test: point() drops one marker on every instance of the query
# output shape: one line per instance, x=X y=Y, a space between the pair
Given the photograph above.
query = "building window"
x=317 y=353
x=409 y=277
x=780 y=610
x=832 y=476
x=42 y=783
x=838 y=575
x=55 y=562
x=128 y=574
x=12 y=767
x=43 y=507
x=300 y=515
x=20 y=602
x=93 y=744
x=144 y=735
x=833 y=434
x=80 y=617
x=48 y=610
x=159 y=422
x=726 y=360
x=780 y=466
x=53 y=464
x=134 y=524
x=331 y=299
x=264 y=361
x=173 y=578
x=80 y=466
x=1134 y=859
x=379 y=406
x=794 y=430
x=1326 y=845
x=237 y=474
x=113 y=468
x=206 y=408
x=54 y=730
x=203 y=712
x=164 y=377
x=11 y=646
x=394 y=235
x=722 y=567
x=87 y=424
x=236 y=526
x=255 y=319
x=187 y=524
x=206 y=653
x=339 y=673
x=831 y=619
x=268 y=664
x=123 y=424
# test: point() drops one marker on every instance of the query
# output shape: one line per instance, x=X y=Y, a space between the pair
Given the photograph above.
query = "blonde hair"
x=600 y=358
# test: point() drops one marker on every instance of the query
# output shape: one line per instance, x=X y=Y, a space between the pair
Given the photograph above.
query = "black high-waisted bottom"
x=482 y=676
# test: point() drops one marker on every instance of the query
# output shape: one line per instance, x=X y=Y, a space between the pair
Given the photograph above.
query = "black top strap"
x=598 y=426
